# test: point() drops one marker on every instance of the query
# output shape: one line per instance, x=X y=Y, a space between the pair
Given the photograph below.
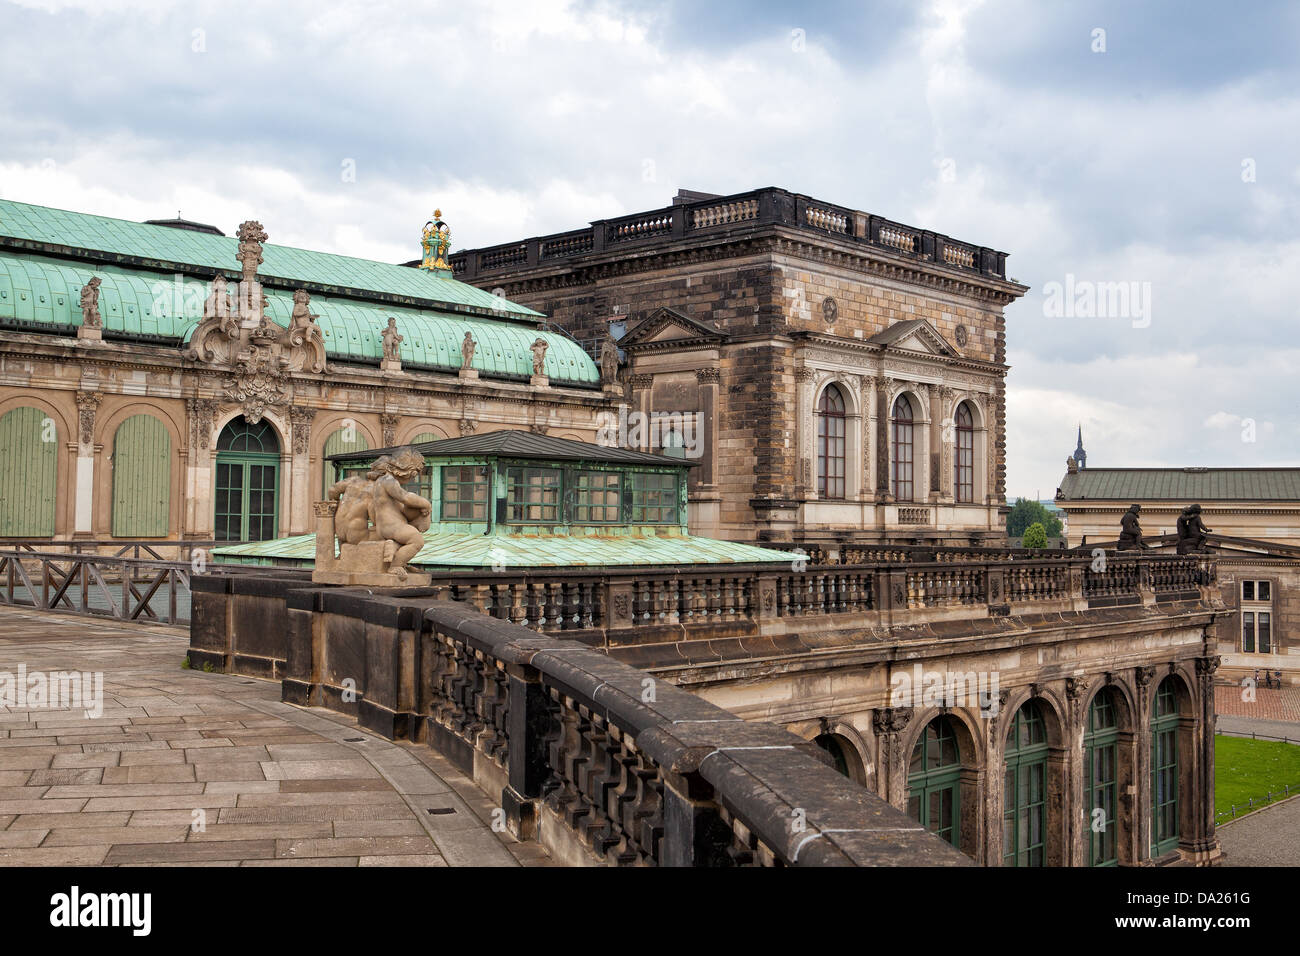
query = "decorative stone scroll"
x=378 y=526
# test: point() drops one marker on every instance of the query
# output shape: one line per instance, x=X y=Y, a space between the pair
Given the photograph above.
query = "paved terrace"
x=279 y=785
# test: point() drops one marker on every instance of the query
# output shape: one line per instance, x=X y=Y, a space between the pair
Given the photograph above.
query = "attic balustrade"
x=717 y=216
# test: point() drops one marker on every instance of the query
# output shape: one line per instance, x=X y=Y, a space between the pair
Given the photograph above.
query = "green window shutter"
x=141 y=478
x=29 y=454
x=336 y=444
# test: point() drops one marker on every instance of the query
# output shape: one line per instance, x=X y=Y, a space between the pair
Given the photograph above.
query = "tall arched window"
x=900 y=465
x=29 y=457
x=964 y=461
x=1024 y=793
x=142 y=473
x=248 y=481
x=1164 y=768
x=830 y=444
x=1101 y=779
x=934 y=780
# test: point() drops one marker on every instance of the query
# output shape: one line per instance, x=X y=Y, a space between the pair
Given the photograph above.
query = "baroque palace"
x=161 y=380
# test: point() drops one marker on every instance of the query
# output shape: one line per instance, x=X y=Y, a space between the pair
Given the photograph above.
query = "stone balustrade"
x=756 y=208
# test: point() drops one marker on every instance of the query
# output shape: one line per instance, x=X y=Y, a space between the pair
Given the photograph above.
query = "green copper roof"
x=46 y=292
x=1183 y=484
x=642 y=547
x=159 y=247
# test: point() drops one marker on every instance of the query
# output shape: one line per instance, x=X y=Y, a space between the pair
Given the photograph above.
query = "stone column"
x=1141 y=821
x=935 y=444
x=640 y=385
x=301 y=491
x=388 y=422
x=882 y=439
x=199 y=515
x=87 y=407
x=1077 y=816
x=888 y=724
x=948 y=443
x=1201 y=845
x=805 y=484
x=324 y=512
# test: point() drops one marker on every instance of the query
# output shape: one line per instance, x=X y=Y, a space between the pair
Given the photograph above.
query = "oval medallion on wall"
x=830 y=310
x=961 y=336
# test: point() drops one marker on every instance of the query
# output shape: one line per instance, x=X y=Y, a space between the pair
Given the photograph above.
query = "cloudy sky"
x=1153 y=144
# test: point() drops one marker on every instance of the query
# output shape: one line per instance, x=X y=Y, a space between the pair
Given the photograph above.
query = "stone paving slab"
x=185 y=768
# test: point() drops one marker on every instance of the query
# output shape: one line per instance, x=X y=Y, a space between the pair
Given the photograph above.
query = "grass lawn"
x=1245 y=768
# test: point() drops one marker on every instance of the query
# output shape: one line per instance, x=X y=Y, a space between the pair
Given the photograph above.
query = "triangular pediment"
x=666 y=326
x=913 y=335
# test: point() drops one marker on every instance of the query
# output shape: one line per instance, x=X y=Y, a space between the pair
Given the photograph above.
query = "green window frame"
x=29 y=464
x=141 y=478
x=464 y=491
x=1101 y=779
x=1024 y=795
x=598 y=497
x=533 y=495
x=1164 y=768
x=247 y=482
x=654 y=498
x=934 y=780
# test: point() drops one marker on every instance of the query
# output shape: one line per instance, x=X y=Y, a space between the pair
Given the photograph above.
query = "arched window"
x=1101 y=780
x=964 y=460
x=934 y=780
x=423 y=486
x=1024 y=792
x=833 y=744
x=346 y=439
x=900 y=465
x=29 y=457
x=1164 y=768
x=142 y=473
x=830 y=444
x=248 y=480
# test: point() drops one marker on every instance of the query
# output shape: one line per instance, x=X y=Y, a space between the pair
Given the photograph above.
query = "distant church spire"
x=1080 y=455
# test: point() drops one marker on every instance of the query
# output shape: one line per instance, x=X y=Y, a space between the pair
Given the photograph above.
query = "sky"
x=1140 y=163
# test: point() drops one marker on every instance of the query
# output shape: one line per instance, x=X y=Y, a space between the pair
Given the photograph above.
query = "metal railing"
x=116 y=586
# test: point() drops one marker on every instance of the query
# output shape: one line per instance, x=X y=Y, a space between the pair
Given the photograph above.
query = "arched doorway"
x=934 y=780
x=1101 y=779
x=1024 y=794
x=248 y=482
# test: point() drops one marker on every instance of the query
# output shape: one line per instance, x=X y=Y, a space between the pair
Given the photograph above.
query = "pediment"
x=914 y=335
x=666 y=326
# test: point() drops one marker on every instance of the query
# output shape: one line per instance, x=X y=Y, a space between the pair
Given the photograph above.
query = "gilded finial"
x=436 y=240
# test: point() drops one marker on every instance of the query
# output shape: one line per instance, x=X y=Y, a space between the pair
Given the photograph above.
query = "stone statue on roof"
x=90 y=317
x=1191 y=530
x=1130 y=536
x=539 y=348
x=467 y=347
x=392 y=341
x=608 y=360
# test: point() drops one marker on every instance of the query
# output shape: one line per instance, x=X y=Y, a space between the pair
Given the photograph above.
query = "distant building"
x=1254 y=514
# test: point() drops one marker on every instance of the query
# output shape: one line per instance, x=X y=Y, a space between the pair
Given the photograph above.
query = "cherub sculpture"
x=399 y=517
x=356 y=497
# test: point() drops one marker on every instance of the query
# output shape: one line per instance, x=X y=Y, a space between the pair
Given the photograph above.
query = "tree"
x=1035 y=536
x=1025 y=512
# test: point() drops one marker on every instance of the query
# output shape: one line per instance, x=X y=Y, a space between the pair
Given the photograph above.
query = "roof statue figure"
x=1191 y=530
x=608 y=360
x=467 y=347
x=435 y=240
x=539 y=348
x=392 y=340
x=1130 y=536
x=90 y=317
